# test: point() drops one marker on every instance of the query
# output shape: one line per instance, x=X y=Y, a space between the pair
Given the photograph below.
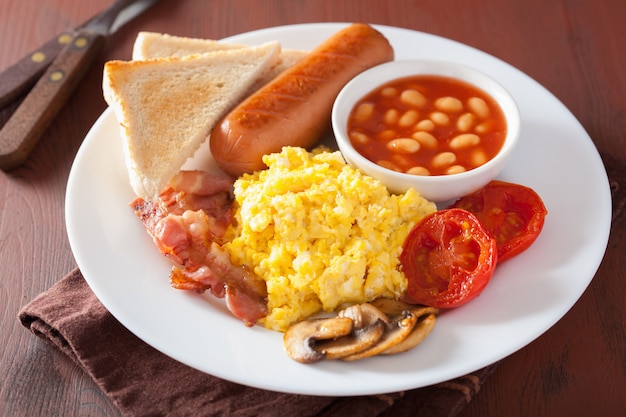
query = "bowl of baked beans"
x=440 y=127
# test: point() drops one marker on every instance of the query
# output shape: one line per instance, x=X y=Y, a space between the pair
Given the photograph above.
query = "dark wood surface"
x=575 y=48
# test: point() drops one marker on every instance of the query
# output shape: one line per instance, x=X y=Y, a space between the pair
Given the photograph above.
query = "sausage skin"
x=294 y=108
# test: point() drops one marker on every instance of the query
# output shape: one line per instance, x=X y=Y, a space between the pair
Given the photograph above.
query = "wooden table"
x=573 y=47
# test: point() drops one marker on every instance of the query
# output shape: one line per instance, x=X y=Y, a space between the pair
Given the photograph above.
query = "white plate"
x=526 y=297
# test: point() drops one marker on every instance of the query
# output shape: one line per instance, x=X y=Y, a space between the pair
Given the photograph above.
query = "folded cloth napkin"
x=141 y=381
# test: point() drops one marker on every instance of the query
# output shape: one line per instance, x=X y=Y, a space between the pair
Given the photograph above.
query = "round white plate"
x=527 y=295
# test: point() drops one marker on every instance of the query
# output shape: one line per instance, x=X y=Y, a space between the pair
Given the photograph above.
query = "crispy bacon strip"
x=187 y=223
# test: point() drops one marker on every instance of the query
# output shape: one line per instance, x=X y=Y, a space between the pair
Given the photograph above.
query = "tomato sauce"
x=427 y=125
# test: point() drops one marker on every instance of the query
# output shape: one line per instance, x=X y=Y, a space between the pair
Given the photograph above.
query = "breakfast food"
x=150 y=45
x=187 y=212
x=383 y=327
x=450 y=256
x=303 y=235
x=514 y=214
x=320 y=234
x=294 y=108
x=427 y=125
x=306 y=235
x=166 y=107
x=448 y=259
x=187 y=223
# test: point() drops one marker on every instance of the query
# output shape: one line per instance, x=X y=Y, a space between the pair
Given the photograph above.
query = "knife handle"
x=19 y=77
x=23 y=130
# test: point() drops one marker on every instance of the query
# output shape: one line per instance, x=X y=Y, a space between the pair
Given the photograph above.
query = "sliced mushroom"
x=360 y=331
x=357 y=341
x=363 y=315
x=300 y=338
x=422 y=329
x=369 y=326
x=396 y=332
x=426 y=322
x=392 y=307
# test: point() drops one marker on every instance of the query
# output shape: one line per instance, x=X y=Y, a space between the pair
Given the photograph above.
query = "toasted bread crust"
x=149 y=45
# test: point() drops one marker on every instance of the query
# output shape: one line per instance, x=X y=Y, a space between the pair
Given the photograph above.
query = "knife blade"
x=23 y=130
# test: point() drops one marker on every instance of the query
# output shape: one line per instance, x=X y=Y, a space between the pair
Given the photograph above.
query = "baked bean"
x=418 y=170
x=403 y=145
x=440 y=118
x=409 y=118
x=388 y=134
x=482 y=128
x=425 y=124
x=478 y=158
x=479 y=107
x=465 y=122
x=359 y=137
x=413 y=97
x=464 y=140
x=455 y=169
x=426 y=139
x=364 y=112
x=402 y=160
x=389 y=92
x=443 y=159
x=449 y=104
x=391 y=117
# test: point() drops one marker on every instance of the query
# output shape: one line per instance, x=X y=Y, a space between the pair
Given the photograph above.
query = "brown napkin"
x=144 y=382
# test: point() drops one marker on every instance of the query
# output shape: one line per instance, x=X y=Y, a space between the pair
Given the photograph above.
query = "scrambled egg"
x=320 y=233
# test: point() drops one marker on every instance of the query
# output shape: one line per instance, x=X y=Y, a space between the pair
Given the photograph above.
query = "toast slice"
x=149 y=45
x=167 y=107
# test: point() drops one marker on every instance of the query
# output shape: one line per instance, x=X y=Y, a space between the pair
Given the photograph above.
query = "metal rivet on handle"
x=56 y=76
x=64 y=38
x=38 y=57
x=80 y=42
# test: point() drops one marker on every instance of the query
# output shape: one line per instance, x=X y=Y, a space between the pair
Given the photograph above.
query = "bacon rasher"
x=187 y=223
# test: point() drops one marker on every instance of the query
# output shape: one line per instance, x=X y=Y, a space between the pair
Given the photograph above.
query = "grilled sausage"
x=294 y=109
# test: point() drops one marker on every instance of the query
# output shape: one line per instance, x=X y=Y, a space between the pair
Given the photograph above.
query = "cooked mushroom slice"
x=392 y=307
x=363 y=315
x=422 y=329
x=357 y=341
x=369 y=326
x=300 y=337
x=396 y=332
x=426 y=322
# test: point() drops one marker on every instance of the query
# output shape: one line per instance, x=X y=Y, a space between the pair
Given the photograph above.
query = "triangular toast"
x=149 y=45
x=168 y=106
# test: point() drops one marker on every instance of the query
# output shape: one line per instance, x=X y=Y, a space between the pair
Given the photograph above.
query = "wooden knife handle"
x=22 y=131
x=19 y=77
